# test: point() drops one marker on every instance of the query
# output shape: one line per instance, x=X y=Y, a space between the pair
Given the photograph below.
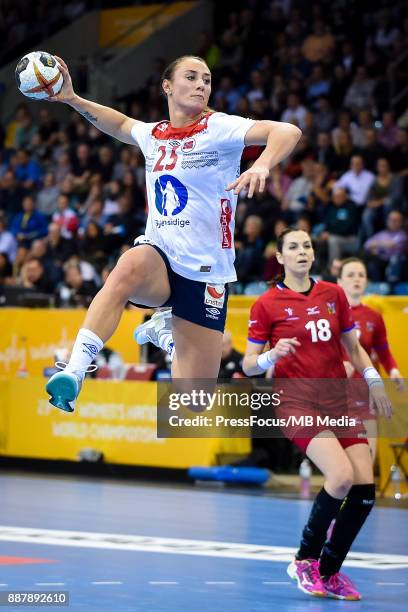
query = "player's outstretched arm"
x=279 y=139
x=106 y=119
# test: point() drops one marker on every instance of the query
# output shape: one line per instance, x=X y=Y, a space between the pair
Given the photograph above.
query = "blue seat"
x=255 y=288
x=401 y=289
x=378 y=289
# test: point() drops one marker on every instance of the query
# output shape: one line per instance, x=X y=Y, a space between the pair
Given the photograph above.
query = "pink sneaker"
x=306 y=573
x=340 y=586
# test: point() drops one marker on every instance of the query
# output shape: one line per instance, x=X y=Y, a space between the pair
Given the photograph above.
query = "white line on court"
x=276 y=582
x=179 y=546
x=220 y=582
x=106 y=582
x=391 y=583
x=49 y=583
x=158 y=582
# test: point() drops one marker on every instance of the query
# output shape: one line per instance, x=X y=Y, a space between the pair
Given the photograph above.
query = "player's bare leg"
x=140 y=275
x=371 y=428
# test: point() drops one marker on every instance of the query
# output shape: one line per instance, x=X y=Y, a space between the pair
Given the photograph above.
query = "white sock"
x=87 y=346
x=166 y=343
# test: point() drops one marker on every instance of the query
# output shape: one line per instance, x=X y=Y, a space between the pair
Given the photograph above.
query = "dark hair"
x=350 y=260
x=168 y=72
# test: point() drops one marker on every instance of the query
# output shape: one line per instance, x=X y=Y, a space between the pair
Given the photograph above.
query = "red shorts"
x=303 y=443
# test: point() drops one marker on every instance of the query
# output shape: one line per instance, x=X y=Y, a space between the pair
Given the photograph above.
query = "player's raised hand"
x=379 y=401
x=66 y=93
x=284 y=347
x=253 y=178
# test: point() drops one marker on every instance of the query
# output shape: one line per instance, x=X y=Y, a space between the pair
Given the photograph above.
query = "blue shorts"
x=202 y=303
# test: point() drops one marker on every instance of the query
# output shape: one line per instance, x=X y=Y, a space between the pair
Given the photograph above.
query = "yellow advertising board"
x=129 y=26
x=116 y=418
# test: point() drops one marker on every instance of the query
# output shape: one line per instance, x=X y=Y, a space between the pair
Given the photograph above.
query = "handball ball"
x=38 y=75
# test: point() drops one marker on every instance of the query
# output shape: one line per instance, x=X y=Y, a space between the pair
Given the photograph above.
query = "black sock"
x=324 y=510
x=349 y=521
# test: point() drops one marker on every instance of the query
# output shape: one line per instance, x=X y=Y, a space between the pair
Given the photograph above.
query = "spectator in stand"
x=399 y=155
x=325 y=153
x=249 y=251
x=28 y=225
x=386 y=193
x=123 y=165
x=65 y=217
x=338 y=86
x=231 y=359
x=62 y=168
x=278 y=183
x=27 y=171
x=104 y=164
x=388 y=135
x=373 y=150
x=92 y=246
x=47 y=127
x=40 y=251
x=340 y=226
x=318 y=85
x=82 y=166
x=357 y=181
x=360 y=93
x=365 y=123
x=33 y=276
x=75 y=291
x=59 y=249
x=319 y=46
x=295 y=112
x=387 y=251
x=298 y=193
x=324 y=115
x=344 y=149
x=8 y=243
x=6 y=269
x=94 y=214
x=47 y=196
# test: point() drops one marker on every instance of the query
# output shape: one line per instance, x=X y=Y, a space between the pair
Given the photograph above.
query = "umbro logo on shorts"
x=213 y=313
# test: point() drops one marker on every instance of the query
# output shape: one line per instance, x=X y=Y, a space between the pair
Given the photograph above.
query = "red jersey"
x=372 y=336
x=317 y=320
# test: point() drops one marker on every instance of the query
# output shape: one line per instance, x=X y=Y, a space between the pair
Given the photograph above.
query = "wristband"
x=372 y=376
x=265 y=361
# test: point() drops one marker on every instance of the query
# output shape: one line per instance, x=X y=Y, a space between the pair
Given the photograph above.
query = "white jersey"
x=191 y=216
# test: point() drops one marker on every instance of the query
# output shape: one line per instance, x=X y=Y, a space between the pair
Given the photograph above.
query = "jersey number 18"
x=319 y=330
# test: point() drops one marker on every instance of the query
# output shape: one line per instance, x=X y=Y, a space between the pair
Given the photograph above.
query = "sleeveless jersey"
x=191 y=216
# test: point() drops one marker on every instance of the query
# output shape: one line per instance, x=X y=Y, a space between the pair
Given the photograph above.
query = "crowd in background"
x=72 y=199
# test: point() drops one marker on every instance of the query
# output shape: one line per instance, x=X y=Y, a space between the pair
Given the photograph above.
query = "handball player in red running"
x=306 y=322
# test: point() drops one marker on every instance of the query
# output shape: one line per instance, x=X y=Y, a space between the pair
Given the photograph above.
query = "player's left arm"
x=363 y=364
x=381 y=347
x=279 y=139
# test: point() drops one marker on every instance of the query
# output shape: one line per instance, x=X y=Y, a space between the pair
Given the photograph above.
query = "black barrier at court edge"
x=262 y=408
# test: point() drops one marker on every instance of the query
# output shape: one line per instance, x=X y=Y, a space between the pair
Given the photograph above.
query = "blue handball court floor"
x=122 y=546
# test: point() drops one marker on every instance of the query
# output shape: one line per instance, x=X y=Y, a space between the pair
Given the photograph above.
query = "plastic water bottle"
x=396 y=478
x=305 y=473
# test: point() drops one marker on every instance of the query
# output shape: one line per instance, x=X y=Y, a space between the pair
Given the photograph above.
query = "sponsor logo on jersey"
x=198 y=159
x=205 y=268
x=331 y=307
x=370 y=326
x=188 y=145
x=291 y=314
x=225 y=219
x=214 y=295
x=252 y=322
x=314 y=310
x=171 y=195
